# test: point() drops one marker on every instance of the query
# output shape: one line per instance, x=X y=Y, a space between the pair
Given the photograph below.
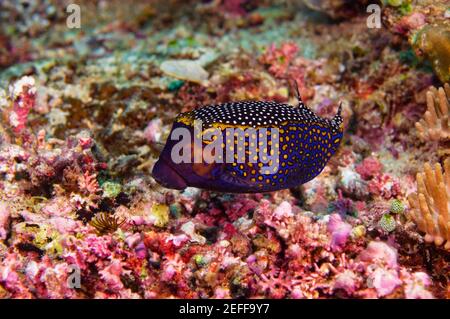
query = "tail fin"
x=337 y=120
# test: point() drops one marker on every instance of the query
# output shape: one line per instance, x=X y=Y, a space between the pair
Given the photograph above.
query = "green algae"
x=433 y=42
x=111 y=189
x=387 y=223
x=397 y=206
x=175 y=85
x=160 y=213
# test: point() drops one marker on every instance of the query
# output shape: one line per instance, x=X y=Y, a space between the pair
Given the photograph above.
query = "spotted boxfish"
x=247 y=147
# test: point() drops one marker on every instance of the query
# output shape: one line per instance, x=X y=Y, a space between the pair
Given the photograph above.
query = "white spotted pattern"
x=259 y=113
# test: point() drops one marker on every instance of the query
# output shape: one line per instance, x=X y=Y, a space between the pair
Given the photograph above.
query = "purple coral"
x=347 y=281
x=384 y=281
x=340 y=231
x=416 y=286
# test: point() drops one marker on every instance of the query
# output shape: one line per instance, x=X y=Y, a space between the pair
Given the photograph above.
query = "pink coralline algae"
x=410 y=23
x=385 y=186
x=283 y=63
x=84 y=116
x=88 y=183
x=339 y=230
x=378 y=183
x=22 y=97
x=369 y=167
x=347 y=281
x=379 y=253
x=382 y=268
x=384 y=281
x=5 y=216
x=416 y=286
x=153 y=131
x=234 y=6
x=279 y=59
x=386 y=276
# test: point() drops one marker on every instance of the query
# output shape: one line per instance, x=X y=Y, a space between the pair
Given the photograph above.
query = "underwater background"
x=88 y=94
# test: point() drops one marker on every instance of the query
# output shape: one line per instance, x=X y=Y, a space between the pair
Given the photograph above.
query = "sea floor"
x=85 y=111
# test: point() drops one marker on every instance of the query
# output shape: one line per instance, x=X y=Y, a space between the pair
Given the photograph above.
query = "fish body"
x=273 y=146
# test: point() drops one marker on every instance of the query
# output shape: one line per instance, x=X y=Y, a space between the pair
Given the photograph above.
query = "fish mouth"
x=167 y=176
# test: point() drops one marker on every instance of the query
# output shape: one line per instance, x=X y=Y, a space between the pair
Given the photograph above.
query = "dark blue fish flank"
x=305 y=143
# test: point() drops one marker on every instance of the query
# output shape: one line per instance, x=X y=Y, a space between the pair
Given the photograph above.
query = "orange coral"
x=430 y=205
x=434 y=124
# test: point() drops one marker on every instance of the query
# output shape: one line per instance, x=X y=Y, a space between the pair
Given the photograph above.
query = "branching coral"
x=434 y=126
x=430 y=205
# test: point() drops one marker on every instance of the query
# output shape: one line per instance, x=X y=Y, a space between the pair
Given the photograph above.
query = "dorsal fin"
x=339 y=111
x=297 y=93
x=300 y=104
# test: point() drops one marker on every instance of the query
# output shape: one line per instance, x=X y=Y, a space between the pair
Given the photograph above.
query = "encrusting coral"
x=434 y=125
x=430 y=205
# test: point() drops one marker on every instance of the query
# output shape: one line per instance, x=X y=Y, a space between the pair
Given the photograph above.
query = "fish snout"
x=167 y=177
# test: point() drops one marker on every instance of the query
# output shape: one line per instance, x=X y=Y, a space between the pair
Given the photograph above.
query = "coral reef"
x=85 y=113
